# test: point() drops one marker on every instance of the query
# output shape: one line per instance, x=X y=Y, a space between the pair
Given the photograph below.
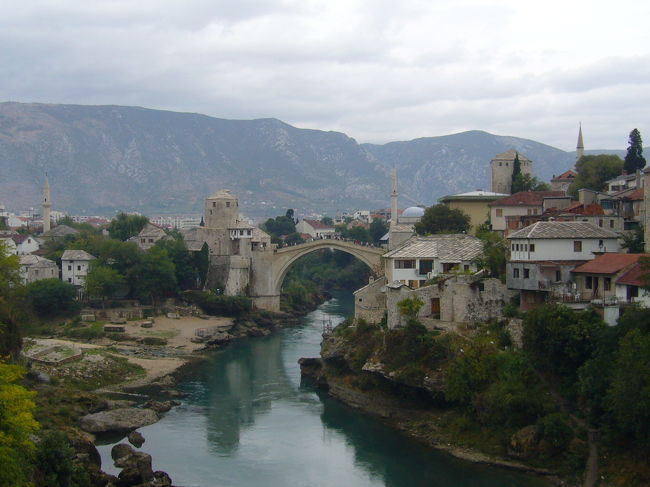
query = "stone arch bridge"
x=268 y=275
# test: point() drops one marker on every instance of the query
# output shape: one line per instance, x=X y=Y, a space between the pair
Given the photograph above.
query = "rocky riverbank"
x=77 y=396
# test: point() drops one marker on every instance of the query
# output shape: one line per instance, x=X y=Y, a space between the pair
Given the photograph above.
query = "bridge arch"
x=284 y=257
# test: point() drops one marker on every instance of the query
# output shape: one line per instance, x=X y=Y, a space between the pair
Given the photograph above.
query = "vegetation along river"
x=248 y=421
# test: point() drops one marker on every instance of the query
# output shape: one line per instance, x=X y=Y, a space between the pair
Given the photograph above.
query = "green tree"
x=53 y=297
x=516 y=175
x=526 y=182
x=357 y=233
x=442 y=219
x=410 y=307
x=125 y=226
x=154 y=276
x=634 y=158
x=11 y=304
x=495 y=253
x=326 y=220
x=186 y=271
x=17 y=424
x=633 y=241
x=53 y=461
x=593 y=171
x=280 y=225
x=628 y=397
x=103 y=281
x=378 y=228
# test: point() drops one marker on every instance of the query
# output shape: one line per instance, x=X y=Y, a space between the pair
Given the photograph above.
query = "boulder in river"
x=136 y=439
x=121 y=420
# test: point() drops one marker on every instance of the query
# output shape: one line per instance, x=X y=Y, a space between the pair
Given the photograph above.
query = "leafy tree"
x=11 y=304
x=593 y=171
x=326 y=220
x=357 y=233
x=526 y=182
x=560 y=340
x=125 y=226
x=410 y=307
x=629 y=394
x=280 y=225
x=154 y=275
x=378 y=228
x=186 y=272
x=53 y=297
x=103 y=281
x=53 y=461
x=442 y=219
x=633 y=241
x=293 y=238
x=17 y=424
x=634 y=158
x=121 y=256
x=495 y=253
x=289 y=213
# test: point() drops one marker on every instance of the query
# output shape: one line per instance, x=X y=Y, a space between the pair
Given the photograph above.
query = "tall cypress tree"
x=634 y=158
x=516 y=175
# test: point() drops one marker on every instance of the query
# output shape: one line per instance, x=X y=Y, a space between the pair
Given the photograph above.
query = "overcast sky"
x=377 y=70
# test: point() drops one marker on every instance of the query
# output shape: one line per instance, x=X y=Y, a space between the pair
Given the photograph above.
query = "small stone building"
x=34 y=268
x=74 y=266
x=149 y=235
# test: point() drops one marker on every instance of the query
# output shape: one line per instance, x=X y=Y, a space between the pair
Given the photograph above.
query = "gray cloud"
x=375 y=69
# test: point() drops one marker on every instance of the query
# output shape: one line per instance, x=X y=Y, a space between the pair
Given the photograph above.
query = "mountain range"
x=101 y=159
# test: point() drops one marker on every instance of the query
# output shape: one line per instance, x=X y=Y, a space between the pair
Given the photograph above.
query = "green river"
x=248 y=421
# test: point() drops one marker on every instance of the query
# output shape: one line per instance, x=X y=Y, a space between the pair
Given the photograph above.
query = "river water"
x=248 y=421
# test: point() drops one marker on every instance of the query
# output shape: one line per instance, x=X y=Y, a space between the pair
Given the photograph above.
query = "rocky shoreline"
x=414 y=422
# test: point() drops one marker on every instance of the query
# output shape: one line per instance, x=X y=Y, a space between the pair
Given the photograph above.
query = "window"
x=515 y=273
x=589 y=282
x=577 y=245
x=535 y=210
x=532 y=247
x=526 y=273
x=466 y=267
x=426 y=266
x=499 y=212
x=611 y=224
x=69 y=267
x=227 y=204
x=413 y=284
x=607 y=284
x=214 y=205
x=404 y=264
x=143 y=240
x=600 y=222
x=558 y=276
x=151 y=240
x=78 y=267
x=448 y=266
x=69 y=279
x=529 y=211
x=525 y=247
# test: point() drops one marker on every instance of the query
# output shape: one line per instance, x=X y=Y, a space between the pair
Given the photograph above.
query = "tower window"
x=214 y=204
x=227 y=204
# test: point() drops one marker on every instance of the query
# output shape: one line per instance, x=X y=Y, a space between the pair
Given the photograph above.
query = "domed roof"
x=413 y=212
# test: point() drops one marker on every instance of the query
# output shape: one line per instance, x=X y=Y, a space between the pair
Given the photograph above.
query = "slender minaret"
x=393 y=198
x=580 y=147
x=47 y=204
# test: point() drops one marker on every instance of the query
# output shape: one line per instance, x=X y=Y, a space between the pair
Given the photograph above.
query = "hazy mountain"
x=105 y=158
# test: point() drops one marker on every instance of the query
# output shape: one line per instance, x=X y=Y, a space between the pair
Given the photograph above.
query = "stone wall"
x=370 y=301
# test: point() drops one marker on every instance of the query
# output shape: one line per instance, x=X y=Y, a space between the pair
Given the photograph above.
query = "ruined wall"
x=370 y=301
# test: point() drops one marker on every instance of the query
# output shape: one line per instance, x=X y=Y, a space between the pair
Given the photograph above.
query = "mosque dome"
x=413 y=212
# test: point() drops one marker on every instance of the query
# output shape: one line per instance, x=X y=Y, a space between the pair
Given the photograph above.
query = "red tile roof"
x=316 y=225
x=608 y=263
x=565 y=175
x=635 y=195
x=526 y=198
x=635 y=276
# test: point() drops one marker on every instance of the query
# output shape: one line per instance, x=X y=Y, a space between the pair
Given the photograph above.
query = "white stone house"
x=149 y=235
x=630 y=287
x=314 y=228
x=34 y=268
x=524 y=203
x=25 y=244
x=543 y=255
x=421 y=258
x=74 y=266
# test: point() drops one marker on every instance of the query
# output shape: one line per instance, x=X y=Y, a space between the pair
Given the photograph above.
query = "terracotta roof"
x=526 y=198
x=635 y=195
x=565 y=175
x=316 y=225
x=608 y=263
x=563 y=230
x=635 y=276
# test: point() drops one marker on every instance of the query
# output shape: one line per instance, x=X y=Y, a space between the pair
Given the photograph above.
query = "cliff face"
x=106 y=158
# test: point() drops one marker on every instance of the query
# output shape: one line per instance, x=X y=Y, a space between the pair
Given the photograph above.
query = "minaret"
x=393 y=198
x=47 y=204
x=580 y=147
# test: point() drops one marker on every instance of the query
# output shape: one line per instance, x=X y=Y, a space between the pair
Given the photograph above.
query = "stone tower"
x=47 y=204
x=502 y=166
x=221 y=209
x=580 y=146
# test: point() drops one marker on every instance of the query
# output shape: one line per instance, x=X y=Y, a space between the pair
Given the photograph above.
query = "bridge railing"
x=337 y=238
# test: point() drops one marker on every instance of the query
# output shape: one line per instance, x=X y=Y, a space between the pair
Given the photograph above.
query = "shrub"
x=556 y=430
x=212 y=304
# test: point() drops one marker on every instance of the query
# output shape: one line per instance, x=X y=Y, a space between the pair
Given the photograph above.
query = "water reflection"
x=247 y=422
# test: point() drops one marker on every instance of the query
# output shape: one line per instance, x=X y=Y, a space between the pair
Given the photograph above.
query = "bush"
x=212 y=304
x=52 y=297
x=96 y=330
x=154 y=341
x=556 y=430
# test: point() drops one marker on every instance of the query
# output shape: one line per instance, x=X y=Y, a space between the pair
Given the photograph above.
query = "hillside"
x=106 y=158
